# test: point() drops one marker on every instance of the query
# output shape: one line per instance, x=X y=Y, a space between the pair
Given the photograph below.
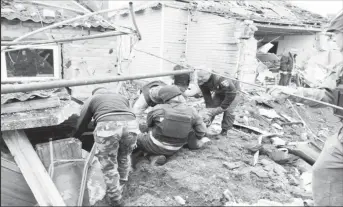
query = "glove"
x=206 y=116
x=143 y=127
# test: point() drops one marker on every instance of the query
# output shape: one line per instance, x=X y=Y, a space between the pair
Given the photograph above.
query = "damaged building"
x=226 y=36
x=66 y=60
x=216 y=35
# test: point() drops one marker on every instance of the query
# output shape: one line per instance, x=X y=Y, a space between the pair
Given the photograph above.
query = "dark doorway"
x=274 y=49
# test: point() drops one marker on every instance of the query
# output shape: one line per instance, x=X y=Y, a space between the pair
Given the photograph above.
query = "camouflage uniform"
x=115 y=142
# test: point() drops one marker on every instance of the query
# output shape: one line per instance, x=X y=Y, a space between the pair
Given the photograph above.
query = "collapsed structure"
x=189 y=37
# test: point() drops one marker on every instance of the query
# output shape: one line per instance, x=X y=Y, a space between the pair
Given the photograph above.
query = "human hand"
x=143 y=127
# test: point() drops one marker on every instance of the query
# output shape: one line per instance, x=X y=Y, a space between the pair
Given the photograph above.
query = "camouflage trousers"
x=115 y=142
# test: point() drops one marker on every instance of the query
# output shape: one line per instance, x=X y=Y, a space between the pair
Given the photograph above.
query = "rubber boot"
x=222 y=135
x=157 y=159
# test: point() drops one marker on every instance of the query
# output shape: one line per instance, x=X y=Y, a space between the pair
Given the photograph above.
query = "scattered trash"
x=306 y=181
x=229 y=196
x=277 y=126
x=270 y=113
x=260 y=172
x=180 y=200
x=278 y=142
x=233 y=165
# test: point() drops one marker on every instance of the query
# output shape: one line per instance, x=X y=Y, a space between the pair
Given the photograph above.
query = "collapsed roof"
x=265 y=12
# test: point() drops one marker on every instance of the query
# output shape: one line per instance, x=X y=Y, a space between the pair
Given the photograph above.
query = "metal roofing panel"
x=202 y=43
x=26 y=10
x=266 y=11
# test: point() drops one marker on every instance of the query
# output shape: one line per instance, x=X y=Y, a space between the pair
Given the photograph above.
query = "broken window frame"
x=56 y=65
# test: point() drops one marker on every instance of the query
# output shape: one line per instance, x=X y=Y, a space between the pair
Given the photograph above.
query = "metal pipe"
x=86 y=81
x=134 y=21
x=51 y=158
x=107 y=34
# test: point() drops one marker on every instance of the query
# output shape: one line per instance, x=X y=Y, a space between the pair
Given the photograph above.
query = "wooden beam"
x=32 y=169
x=30 y=105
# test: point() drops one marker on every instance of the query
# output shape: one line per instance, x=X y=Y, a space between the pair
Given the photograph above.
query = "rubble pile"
x=223 y=173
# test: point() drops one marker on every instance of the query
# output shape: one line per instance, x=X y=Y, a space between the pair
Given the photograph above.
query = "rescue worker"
x=287 y=64
x=148 y=97
x=115 y=136
x=223 y=100
x=327 y=177
x=182 y=80
x=171 y=126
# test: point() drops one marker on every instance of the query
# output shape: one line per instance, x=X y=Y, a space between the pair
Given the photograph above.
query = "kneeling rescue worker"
x=115 y=136
x=327 y=177
x=224 y=100
x=148 y=97
x=171 y=126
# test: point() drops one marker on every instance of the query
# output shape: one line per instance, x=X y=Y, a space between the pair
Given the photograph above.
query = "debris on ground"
x=222 y=173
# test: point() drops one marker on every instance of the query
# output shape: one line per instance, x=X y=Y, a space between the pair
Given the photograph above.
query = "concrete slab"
x=40 y=117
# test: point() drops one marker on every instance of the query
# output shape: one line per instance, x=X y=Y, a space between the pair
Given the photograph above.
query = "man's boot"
x=222 y=135
x=157 y=159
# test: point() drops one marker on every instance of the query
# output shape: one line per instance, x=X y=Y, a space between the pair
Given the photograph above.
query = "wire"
x=259 y=86
x=191 y=67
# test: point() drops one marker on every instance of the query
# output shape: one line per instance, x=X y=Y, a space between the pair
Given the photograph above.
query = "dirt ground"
x=222 y=172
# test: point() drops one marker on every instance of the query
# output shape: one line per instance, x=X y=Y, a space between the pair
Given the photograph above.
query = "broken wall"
x=305 y=44
x=179 y=35
x=79 y=59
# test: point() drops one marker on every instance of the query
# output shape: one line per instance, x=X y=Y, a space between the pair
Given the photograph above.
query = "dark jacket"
x=156 y=116
x=182 y=80
x=103 y=107
x=221 y=86
x=146 y=91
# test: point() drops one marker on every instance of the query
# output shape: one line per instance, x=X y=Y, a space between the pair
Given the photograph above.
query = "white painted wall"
x=80 y=59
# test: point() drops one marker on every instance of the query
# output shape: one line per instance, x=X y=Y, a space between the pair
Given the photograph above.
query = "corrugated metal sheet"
x=150 y=27
x=211 y=43
x=26 y=10
x=175 y=32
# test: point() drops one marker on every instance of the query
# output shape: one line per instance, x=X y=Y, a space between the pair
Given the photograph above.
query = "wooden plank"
x=30 y=105
x=7 y=200
x=9 y=165
x=32 y=169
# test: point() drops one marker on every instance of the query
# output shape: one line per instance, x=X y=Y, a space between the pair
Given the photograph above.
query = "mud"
x=201 y=177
